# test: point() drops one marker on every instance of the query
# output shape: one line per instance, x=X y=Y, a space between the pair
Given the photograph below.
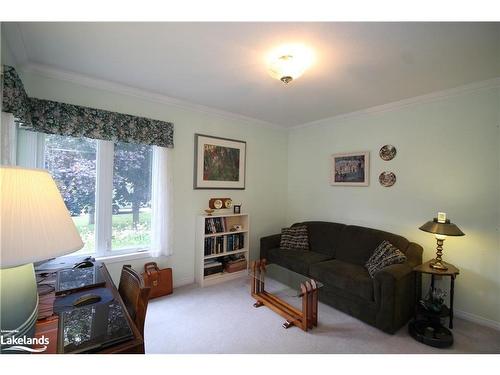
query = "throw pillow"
x=384 y=255
x=294 y=238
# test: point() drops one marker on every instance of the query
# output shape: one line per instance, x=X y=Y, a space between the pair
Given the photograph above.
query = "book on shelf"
x=211 y=263
x=224 y=264
x=212 y=267
x=224 y=244
x=235 y=242
x=215 y=225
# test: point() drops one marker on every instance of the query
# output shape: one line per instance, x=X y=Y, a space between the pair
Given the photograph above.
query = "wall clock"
x=215 y=203
x=218 y=203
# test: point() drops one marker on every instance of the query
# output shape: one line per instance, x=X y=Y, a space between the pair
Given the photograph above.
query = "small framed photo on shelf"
x=237 y=208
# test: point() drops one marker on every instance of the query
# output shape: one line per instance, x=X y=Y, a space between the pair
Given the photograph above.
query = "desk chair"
x=135 y=296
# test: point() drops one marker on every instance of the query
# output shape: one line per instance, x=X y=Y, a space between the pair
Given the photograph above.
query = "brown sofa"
x=337 y=256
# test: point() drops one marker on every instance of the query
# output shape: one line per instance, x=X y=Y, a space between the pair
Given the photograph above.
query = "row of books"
x=222 y=244
x=212 y=266
x=216 y=225
x=230 y=263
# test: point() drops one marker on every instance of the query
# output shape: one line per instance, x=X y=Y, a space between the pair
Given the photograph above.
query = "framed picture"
x=350 y=169
x=219 y=163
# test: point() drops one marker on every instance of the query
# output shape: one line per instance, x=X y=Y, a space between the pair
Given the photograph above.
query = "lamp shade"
x=34 y=221
x=446 y=228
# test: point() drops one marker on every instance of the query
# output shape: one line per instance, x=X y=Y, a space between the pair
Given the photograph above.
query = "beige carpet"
x=221 y=319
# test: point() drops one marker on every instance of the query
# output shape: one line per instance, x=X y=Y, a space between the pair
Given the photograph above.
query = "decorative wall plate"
x=387 y=179
x=387 y=152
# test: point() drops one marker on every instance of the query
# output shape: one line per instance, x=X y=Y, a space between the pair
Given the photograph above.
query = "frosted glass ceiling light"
x=288 y=62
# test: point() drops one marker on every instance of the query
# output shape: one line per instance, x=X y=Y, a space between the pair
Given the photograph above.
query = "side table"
x=429 y=330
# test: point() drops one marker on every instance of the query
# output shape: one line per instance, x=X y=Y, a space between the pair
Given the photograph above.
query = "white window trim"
x=104 y=197
x=31 y=154
x=118 y=258
x=8 y=139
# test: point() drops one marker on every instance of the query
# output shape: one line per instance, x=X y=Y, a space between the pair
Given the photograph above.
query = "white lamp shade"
x=34 y=222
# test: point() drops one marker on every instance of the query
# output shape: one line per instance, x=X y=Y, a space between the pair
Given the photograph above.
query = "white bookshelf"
x=230 y=220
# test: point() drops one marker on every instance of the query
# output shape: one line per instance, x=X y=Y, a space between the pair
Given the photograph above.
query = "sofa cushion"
x=296 y=260
x=358 y=243
x=295 y=237
x=384 y=255
x=349 y=277
x=324 y=237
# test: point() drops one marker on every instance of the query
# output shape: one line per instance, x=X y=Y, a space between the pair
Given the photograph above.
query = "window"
x=131 y=221
x=72 y=164
x=106 y=187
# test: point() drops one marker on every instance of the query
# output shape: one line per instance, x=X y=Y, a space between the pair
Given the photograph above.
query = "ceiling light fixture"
x=288 y=62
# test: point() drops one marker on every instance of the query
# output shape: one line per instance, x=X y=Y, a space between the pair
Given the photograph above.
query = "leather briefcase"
x=160 y=281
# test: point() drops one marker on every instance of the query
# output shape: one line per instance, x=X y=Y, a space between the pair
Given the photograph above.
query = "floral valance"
x=14 y=98
x=67 y=119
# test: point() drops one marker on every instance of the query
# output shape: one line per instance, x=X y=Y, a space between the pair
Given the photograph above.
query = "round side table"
x=426 y=326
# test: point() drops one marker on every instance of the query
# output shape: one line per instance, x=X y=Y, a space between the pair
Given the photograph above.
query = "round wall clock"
x=387 y=152
x=218 y=204
x=387 y=179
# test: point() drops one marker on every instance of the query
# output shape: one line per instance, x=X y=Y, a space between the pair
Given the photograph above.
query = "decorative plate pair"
x=387 y=152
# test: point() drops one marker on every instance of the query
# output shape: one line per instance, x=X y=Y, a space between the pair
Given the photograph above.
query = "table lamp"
x=441 y=227
x=35 y=225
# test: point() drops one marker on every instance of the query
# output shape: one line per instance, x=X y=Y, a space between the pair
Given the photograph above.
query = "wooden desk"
x=48 y=324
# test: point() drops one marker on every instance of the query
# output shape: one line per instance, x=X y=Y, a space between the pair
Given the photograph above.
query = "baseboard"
x=477 y=319
x=183 y=281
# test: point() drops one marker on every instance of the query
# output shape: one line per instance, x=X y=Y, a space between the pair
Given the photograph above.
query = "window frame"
x=34 y=157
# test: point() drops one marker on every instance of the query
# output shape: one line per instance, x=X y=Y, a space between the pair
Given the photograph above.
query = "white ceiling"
x=221 y=65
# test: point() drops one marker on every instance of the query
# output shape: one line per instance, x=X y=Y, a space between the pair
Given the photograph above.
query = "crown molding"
x=84 y=80
x=426 y=98
x=100 y=84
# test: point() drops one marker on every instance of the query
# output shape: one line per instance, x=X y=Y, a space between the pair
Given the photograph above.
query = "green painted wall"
x=447 y=160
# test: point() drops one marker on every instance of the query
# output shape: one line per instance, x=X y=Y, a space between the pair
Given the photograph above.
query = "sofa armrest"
x=393 y=273
x=414 y=254
x=394 y=288
x=267 y=243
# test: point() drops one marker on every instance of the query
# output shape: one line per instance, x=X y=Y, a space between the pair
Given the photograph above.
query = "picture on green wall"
x=350 y=169
x=219 y=163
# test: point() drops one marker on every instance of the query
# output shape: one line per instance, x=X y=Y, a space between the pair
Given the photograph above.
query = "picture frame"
x=237 y=208
x=219 y=163
x=350 y=169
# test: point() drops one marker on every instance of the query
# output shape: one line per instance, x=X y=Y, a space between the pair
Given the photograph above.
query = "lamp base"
x=438 y=262
x=18 y=308
x=438 y=265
